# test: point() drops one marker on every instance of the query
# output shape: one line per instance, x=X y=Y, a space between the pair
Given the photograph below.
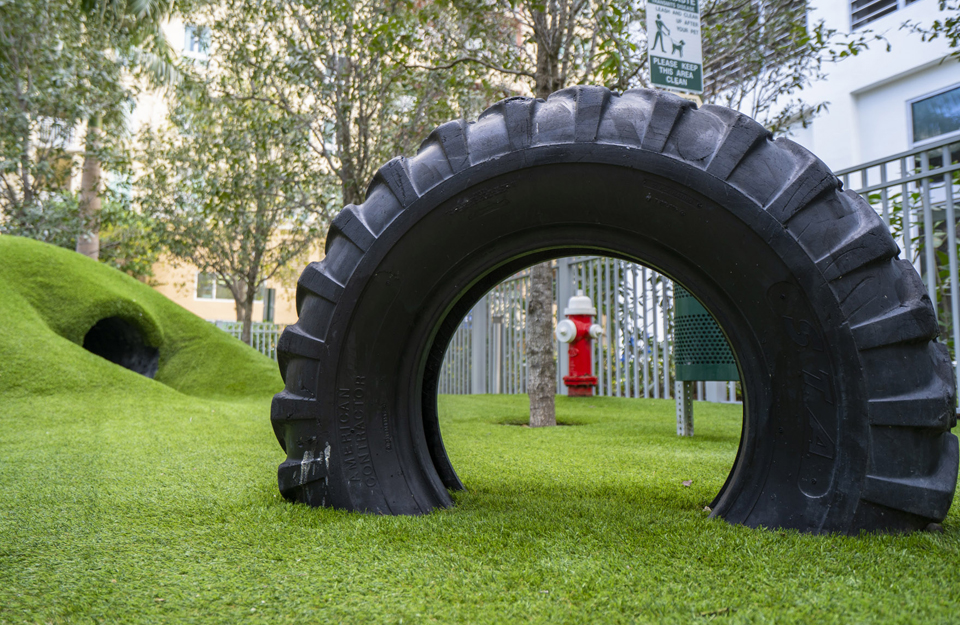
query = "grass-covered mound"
x=51 y=297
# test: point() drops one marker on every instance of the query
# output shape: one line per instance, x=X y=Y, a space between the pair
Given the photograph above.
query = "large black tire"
x=849 y=397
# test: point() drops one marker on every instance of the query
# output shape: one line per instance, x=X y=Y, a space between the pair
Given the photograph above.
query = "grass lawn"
x=130 y=511
x=128 y=500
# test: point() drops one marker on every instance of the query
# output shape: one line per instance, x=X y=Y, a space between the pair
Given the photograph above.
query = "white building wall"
x=867 y=95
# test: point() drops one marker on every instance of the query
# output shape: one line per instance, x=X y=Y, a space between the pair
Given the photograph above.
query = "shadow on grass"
x=526 y=422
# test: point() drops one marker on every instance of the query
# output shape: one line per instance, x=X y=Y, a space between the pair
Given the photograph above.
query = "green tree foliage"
x=50 y=81
x=296 y=108
x=129 y=239
x=339 y=68
x=230 y=181
x=62 y=64
x=947 y=26
x=539 y=47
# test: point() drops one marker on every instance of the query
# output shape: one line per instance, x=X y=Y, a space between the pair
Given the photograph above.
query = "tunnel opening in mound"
x=122 y=343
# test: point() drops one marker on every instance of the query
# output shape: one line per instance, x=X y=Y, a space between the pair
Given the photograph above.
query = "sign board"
x=673 y=43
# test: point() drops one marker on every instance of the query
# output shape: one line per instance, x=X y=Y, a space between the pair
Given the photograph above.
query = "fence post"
x=716 y=391
x=665 y=309
x=496 y=354
x=952 y=259
x=930 y=260
x=564 y=291
x=478 y=347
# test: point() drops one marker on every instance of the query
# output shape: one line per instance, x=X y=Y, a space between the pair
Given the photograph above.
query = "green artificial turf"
x=126 y=500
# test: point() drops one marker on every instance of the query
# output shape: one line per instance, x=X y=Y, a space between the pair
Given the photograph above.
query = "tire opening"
x=650 y=261
x=122 y=343
x=632 y=359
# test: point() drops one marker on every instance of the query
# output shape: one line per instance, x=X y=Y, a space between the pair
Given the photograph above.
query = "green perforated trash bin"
x=701 y=351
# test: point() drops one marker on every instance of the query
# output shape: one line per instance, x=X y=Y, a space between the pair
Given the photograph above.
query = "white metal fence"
x=263 y=335
x=914 y=192
x=633 y=357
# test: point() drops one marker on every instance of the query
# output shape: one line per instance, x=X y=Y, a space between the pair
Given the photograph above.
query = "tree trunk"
x=547 y=76
x=245 y=312
x=88 y=242
x=25 y=178
x=541 y=368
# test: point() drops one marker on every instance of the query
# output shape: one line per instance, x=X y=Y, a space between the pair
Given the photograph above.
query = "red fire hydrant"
x=578 y=330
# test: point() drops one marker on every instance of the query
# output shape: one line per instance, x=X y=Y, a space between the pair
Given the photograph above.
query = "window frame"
x=196 y=32
x=196 y=290
x=901 y=4
x=909 y=105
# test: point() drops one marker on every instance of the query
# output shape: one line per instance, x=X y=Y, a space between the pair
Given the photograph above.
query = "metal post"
x=492 y=297
x=656 y=337
x=883 y=195
x=564 y=290
x=510 y=319
x=930 y=259
x=618 y=346
x=478 y=340
x=595 y=294
x=905 y=216
x=512 y=339
x=646 y=339
x=684 y=394
x=497 y=324
x=666 y=340
x=952 y=255
x=635 y=317
x=608 y=326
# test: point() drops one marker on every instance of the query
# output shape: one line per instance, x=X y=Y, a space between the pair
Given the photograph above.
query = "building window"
x=862 y=12
x=213 y=288
x=196 y=40
x=936 y=115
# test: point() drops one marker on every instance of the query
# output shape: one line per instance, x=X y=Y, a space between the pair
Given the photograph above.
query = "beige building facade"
x=198 y=293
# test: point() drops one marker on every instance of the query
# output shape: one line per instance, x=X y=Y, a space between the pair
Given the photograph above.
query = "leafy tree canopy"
x=231 y=180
